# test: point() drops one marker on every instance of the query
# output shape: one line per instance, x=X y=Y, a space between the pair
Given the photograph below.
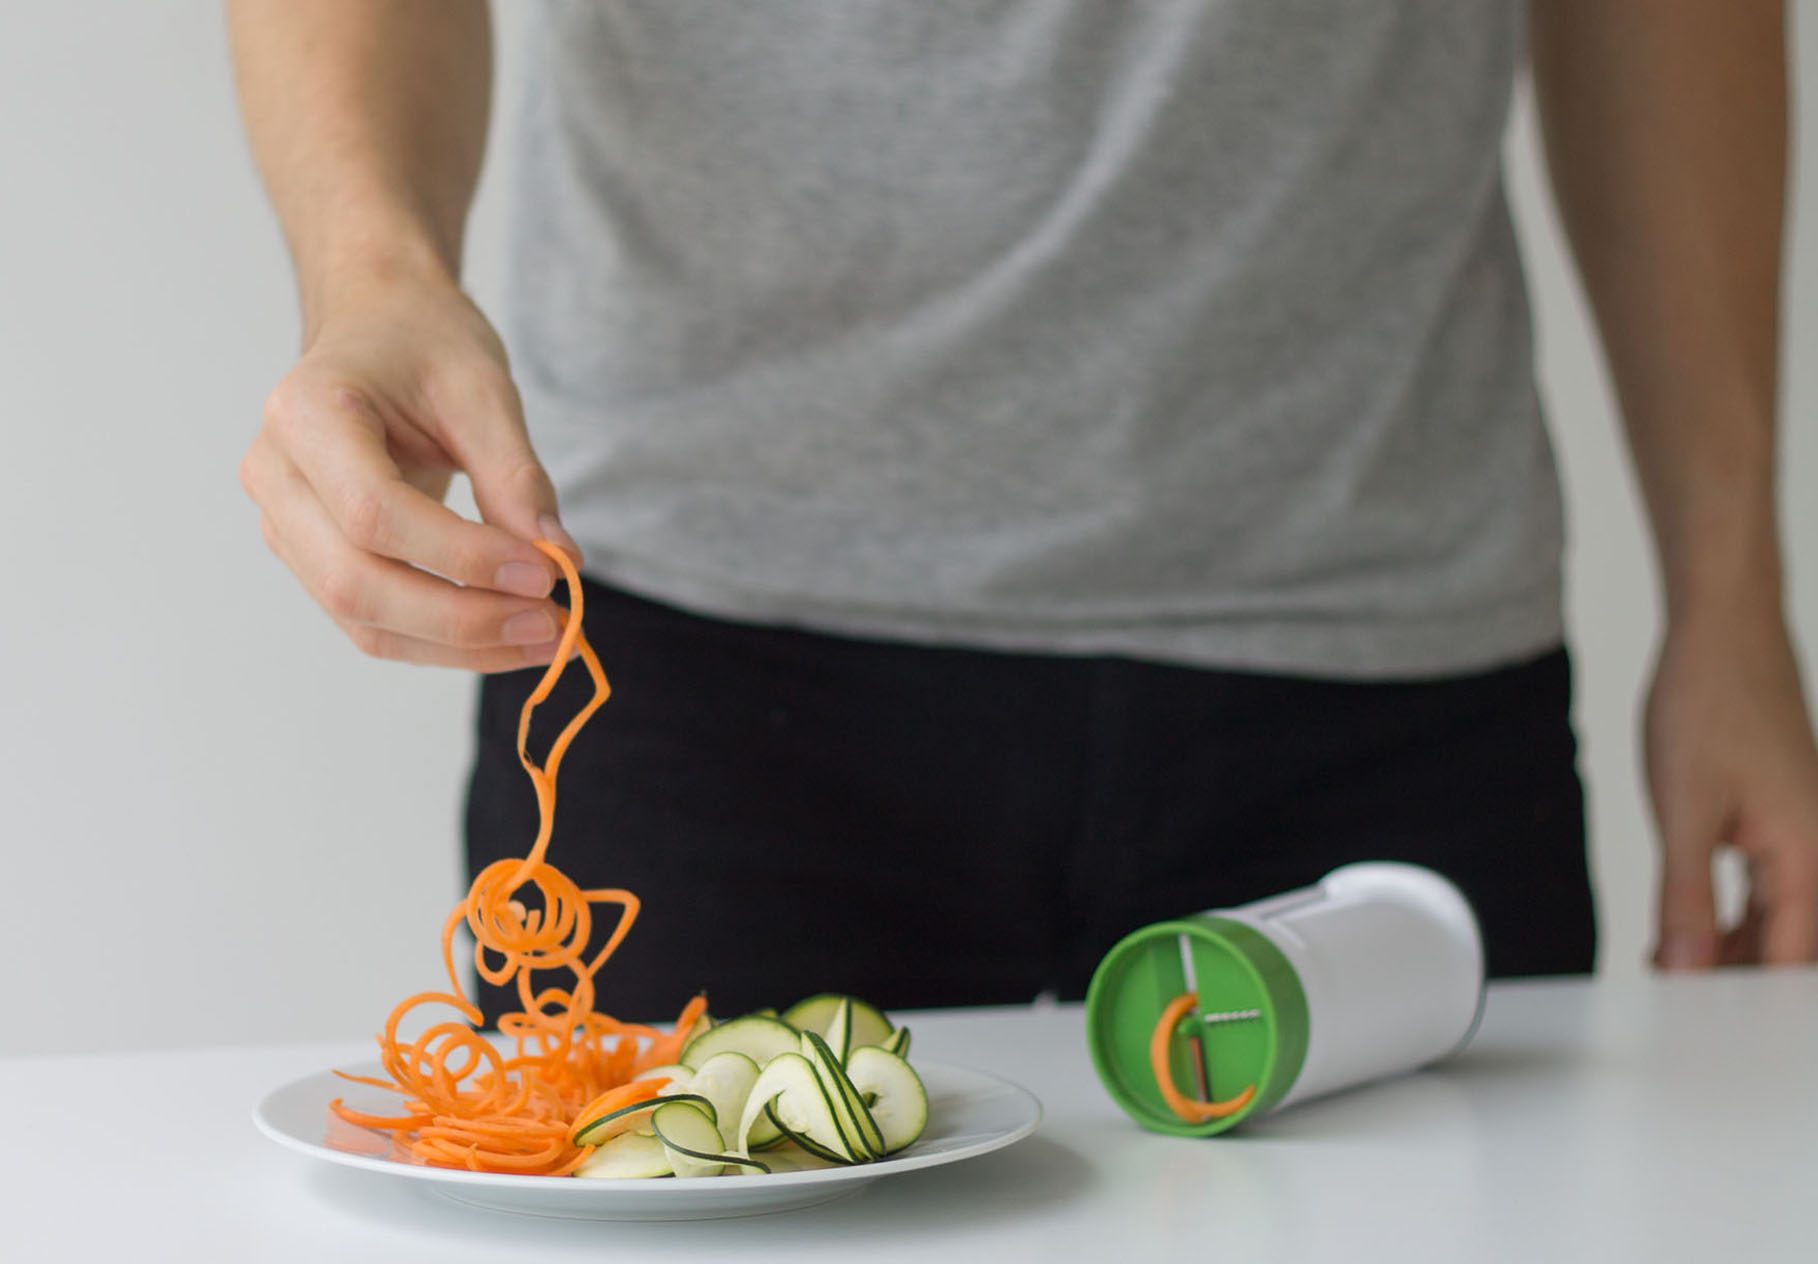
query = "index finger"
x=339 y=447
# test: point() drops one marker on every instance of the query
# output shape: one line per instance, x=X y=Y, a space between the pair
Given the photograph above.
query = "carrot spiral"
x=1160 y=1061
x=467 y=1103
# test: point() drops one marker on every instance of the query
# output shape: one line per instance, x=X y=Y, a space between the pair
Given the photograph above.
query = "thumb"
x=510 y=485
x=1688 y=905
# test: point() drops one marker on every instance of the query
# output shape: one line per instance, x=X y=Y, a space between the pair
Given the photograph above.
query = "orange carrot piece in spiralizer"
x=1161 y=1062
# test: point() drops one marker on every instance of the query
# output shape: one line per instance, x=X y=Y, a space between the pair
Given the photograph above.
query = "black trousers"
x=920 y=826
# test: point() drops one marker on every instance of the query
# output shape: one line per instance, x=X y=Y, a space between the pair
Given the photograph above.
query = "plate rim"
x=457 y=1179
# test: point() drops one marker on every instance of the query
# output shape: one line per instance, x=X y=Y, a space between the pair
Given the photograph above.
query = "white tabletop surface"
x=1656 y=1120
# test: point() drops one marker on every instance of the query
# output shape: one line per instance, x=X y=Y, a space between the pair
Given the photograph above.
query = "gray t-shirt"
x=1190 y=330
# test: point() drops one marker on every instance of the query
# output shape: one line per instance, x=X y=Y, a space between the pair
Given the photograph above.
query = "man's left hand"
x=1731 y=762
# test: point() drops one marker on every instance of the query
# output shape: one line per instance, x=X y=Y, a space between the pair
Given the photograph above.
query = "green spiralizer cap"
x=1257 y=1033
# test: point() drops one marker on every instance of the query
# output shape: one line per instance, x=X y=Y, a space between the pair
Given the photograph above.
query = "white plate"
x=970 y=1113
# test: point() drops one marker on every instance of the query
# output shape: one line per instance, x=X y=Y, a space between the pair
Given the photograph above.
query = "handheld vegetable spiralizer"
x=1198 y=1024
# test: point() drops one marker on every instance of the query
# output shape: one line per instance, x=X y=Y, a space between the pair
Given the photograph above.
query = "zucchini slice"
x=869 y=1026
x=899 y=1101
x=628 y=1156
x=793 y=1094
x=807 y=1144
x=897 y=1044
x=692 y=1141
x=839 y=1031
x=764 y=1134
x=725 y=1079
x=759 y=1039
x=631 y=1118
x=866 y=1139
x=793 y=1158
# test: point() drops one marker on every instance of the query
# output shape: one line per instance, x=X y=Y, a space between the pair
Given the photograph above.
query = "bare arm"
x=368 y=122
x=1665 y=126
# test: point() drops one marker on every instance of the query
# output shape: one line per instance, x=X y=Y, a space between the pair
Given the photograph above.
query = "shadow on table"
x=1501 y=1065
x=1462 y=1094
x=1023 y=1181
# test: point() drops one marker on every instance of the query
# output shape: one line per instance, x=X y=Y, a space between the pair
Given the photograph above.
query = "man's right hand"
x=403 y=384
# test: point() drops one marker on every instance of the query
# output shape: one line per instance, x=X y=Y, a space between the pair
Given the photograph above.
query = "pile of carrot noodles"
x=467 y=1102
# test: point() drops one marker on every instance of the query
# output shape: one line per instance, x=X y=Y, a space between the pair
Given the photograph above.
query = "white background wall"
x=217 y=821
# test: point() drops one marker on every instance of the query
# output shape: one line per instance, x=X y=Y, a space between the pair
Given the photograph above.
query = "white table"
x=1654 y=1120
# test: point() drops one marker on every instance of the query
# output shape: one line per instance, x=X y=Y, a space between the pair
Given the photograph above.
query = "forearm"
x=1665 y=126
x=368 y=122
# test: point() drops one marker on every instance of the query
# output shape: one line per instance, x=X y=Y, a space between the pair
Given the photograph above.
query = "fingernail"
x=525 y=579
x=553 y=532
x=530 y=627
x=1681 y=952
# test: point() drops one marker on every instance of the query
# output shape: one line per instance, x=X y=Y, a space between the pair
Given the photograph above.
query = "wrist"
x=1727 y=586
x=365 y=261
x=1736 y=615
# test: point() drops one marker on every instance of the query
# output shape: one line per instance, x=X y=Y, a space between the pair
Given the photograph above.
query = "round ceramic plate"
x=970 y=1113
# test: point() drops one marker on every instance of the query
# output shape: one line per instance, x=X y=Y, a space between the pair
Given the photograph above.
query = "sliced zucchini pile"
x=825 y=1083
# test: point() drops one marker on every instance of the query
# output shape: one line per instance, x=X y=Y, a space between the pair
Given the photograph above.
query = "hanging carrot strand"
x=467 y=1104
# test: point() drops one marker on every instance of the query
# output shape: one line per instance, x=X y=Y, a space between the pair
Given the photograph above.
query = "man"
x=1042 y=465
